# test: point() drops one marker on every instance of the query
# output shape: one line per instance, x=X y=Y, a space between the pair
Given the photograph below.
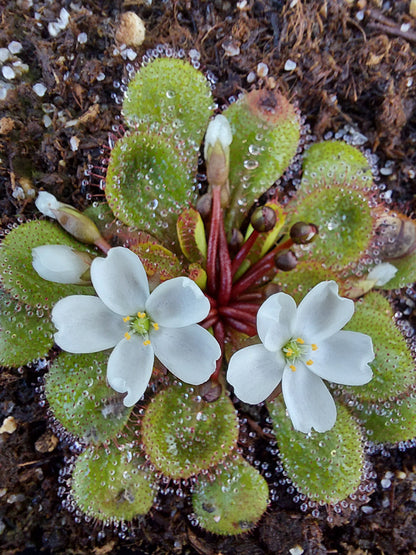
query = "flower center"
x=297 y=350
x=140 y=324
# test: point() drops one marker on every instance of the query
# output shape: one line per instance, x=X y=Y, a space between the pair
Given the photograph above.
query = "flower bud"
x=236 y=241
x=302 y=233
x=73 y=221
x=62 y=264
x=285 y=260
x=263 y=219
x=217 y=150
x=204 y=205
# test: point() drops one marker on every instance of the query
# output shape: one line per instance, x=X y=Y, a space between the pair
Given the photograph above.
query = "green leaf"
x=344 y=220
x=111 y=484
x=183 y=434
x=327 y=467
x=18 y=276
x=175 y=96
x=393 y=366
x=334 y=162
x=158 y=260
x=191 y=234
x=148 y=184
x=234 y=501
x=81 y=400
x=26 y=333
x=266 y=131
x=303 y=278
x=390 y=422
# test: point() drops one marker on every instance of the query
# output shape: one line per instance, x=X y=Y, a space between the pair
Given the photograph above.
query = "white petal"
x=59 y=263
x=120 y=281
x=190 y=352
x=343 y=358
x=130 y=367
x=308 y=401
x=322 y=312
x=382 y=273
x=86 y=325
x=47 y=203
x=255 y=372
x=177 y=302
x=275 y=321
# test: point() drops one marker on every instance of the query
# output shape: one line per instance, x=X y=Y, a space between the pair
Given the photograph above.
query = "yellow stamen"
x=141 y=314
x=314 y=347
x=289 y=352
x=300 y=341
x=126 y=318
x=293 y=368
x=309 y=362
x=127 y=335
x=156 y=326
x=147 y=342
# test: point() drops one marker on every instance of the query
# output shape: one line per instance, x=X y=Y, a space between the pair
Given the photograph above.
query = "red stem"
x=209 y=321
x=254 y=296
x=241 y=326
x=251 y=308
x=226 y=282
x=219 y=334
x=212 y=248
x=237 y=314
x=243 y=252
x=259 y=270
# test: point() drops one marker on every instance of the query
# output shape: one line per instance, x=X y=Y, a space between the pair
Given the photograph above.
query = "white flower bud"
x=61 y=264
x=48 y=204
x=72 y=220
x=218 y=130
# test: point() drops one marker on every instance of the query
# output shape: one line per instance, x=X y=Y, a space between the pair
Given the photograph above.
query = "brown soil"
x=355 y=65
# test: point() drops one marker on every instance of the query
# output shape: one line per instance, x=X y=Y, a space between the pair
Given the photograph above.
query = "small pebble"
x=82 y=38
x=262 y=69
x=47 y=122
x=46 y=443
x=290 y=65
x=101 y=76
x=360 y=15
x=131 y=30
x=231 y=48
x=297 y=550
x=74 y=143
x=15 y=47
x=8 y=72
x=9 y=425
x=39 y=89
x=15 y=498
x=4 y=55
x=130 y=54
x=385 y=483
x=366 y=509
x=251 y=77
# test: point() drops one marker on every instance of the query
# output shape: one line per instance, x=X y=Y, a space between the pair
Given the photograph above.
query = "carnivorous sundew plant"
x=216 y=287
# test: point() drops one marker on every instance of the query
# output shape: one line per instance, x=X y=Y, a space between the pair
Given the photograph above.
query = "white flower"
x=61 y=264
x=218 y=130
x=139 y=325
x=382 y=273
x=300 y=347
